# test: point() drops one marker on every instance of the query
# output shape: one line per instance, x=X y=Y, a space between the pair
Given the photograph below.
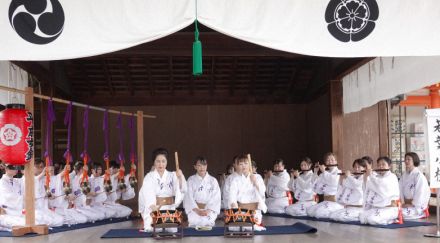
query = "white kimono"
x=11 y=200
x=379 y=193
x=303 y=192
x=277 y=190
x=111 y=202
x=60 y=204
x=156 y=186
x=43 y=215
x=242 y=190
x=226 y=189
x=351 y=195
x=80 y=202
x=97 y=201
x=327 y=184
x=205 y=191
x=413 y=185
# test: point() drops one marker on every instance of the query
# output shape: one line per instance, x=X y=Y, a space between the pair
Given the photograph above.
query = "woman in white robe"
x=302 y=186
x=161 y=189
x=381 y=195
x=60 y=203
x=11 y=199
x=414 y=189
x=202 y=200
x=351 y=193
x=327 y=184
x=277 y=188
x=248 y=189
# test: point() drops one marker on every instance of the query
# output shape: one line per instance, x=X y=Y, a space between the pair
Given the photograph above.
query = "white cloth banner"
x=340 y=28
x=80 y=28
x=13 y=77
x=433 y=125
x=386 y=77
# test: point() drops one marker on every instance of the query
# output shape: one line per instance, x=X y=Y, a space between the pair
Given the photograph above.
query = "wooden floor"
x=327 y=233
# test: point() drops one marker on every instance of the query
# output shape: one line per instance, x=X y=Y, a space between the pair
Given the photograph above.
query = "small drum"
x=166 y=217
x=239 y=215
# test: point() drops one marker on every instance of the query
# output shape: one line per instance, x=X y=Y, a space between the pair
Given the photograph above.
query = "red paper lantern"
x=16 y=135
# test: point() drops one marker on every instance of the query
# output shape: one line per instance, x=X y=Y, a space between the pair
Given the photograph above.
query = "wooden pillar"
x=140 y=147
x=383 y=128
x=29 y=197
x=336 y=115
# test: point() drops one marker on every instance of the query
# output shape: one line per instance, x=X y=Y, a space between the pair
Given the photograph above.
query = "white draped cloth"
x=276 y=190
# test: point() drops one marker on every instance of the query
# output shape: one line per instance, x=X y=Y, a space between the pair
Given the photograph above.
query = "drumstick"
x=250 y=163
x=177 y=160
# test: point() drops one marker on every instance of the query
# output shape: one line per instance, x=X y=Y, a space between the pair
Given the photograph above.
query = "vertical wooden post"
x=29 y=169
x=43 y=127
x=337 y=115
x=383 y=128
x=29 y=197
x=140 y=147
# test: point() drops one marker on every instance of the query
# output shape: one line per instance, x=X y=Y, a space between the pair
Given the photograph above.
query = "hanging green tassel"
x=197 y=54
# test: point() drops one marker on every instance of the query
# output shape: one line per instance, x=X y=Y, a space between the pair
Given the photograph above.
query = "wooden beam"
x=214 y=44
x=337 y=118
x=29 y=196
x=140 y=148
x=232 y=77
x=170 y=71
x=150 y=80
x=187 y=99
x=212 y=86
x=128 y=76
x=86 y=78
x=108 y=77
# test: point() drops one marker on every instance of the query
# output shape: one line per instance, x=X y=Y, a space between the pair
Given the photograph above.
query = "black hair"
x=201 y=159
x=159 y=151
x=327 y=155
x=114 y=164
x=307 y=160
x=414 y=157
x=78 y=165
x=368 y=159
x=386 y=159
x=38 y=161
x=278 y=161
x=97 y=165
x=360 y=162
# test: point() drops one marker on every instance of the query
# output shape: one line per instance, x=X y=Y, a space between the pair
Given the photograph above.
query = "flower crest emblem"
x=351 y=20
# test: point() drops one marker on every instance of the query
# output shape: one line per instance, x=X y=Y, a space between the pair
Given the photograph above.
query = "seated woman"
x=277 y=189
x=351 y=193
x=247 y=191
x=327 y=184
x=161 y=189
x=414 y=189
x=302 y=186
x=381 y=195
x=203 y=198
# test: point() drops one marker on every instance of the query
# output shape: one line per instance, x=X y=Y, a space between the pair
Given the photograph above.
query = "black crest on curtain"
x=351 y=20
x=37 y=21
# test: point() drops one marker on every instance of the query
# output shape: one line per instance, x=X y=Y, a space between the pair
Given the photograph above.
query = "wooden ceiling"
x=234 y=72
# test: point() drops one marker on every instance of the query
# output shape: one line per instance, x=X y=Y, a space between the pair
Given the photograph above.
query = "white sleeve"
x=129 y=192
x=189 y=203
x=422 y=192
x=233 y=193
x=147 y=195
x=178 y=189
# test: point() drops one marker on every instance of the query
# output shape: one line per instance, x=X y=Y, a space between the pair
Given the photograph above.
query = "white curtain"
x=94 y=27
x=13 y=77
x=386 y=77
x=313 y=27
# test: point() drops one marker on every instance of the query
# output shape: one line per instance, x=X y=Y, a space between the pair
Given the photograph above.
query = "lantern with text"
x=16 y=135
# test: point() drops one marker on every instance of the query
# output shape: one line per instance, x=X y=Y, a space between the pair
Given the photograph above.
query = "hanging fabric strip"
x=85 y=155
x=50 y=118
x=121 y=146
x=132 y=178
x=68 y=155
x=105 y=129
